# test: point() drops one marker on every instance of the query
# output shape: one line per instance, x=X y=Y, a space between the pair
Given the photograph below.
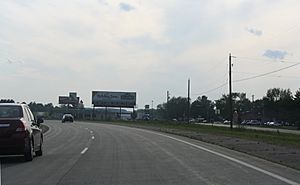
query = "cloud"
x=275 y=54
x=126 y=7
x=254 y=31
x=103 y=2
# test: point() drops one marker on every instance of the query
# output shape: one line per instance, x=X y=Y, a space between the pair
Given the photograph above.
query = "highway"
x=92 y=153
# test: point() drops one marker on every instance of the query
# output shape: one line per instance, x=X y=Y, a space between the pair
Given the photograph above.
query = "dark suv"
x=67 y=117
x=20 y=132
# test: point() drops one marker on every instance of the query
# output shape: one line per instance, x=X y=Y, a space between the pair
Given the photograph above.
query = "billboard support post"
x=93 y=116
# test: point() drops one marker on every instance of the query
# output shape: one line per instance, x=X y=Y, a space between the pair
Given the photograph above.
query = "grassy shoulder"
x=277 y=138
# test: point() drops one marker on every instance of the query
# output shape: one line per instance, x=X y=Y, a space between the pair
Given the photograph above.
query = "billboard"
x=113 y=99
x=68 y=100
x=73 y=95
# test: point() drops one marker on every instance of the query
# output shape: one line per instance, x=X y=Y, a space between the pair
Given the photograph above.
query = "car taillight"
x=21 y=127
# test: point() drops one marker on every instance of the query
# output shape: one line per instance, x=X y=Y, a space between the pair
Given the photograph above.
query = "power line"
x=211 y=90
x=276 y=76
x=267 y=60
x=264 y=74
x=208 y=83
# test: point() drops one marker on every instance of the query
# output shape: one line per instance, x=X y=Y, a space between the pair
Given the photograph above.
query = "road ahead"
x=91 y=153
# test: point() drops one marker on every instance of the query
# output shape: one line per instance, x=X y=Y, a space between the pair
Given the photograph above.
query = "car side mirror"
x=39 y=121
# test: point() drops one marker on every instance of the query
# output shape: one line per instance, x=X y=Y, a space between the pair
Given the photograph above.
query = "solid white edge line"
x=84 y=150
x=283 y=179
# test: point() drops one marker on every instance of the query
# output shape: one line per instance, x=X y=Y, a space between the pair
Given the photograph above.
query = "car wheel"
x=40 y=151
x=28 y=155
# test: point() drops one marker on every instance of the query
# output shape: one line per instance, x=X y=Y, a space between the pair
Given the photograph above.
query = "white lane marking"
x=91 y=131
x=84 y=150
x=283 y=179
x=93 y=137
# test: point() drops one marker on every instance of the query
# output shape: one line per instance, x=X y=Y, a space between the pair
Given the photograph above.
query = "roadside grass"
x=278 y=138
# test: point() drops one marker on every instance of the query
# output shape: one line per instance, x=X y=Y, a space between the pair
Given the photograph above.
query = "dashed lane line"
x=84 y=150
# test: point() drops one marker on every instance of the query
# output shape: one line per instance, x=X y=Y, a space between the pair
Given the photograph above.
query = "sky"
x=51 y=48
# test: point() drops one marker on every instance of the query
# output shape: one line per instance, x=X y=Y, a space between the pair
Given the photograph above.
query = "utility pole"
x=253 y=98
x=230 y=93
x=167 y=106
x=152 y=114
x=188 y=110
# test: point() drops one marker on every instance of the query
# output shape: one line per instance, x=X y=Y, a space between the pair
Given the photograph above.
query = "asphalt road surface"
x=92 y=153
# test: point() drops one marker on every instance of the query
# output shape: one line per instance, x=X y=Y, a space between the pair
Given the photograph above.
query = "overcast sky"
x=48 y=48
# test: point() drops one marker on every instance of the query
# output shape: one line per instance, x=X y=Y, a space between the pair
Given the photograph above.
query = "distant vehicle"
x=251 y=122
x=200 y=120
x=245 y=122
x=67 y=117
x=193 y=120
x=20 y=132
x=226 y=122
x=273 y=123
x=254 y=122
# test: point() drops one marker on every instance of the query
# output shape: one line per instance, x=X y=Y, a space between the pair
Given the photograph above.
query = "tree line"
x=277 y=105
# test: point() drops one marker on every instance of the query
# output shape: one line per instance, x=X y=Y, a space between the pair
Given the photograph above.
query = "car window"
x=31 y=117
x=10 y=112
x=26 y=115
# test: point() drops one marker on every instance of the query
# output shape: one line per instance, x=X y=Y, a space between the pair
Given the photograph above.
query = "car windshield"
x=10 y=112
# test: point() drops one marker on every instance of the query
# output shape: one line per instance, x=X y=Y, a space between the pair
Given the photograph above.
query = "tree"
x=273 y=94
x=240 y=103
x=161 y=111
x=279 y=105
x=297 y=96
x=175 y=108
x=202 y=107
